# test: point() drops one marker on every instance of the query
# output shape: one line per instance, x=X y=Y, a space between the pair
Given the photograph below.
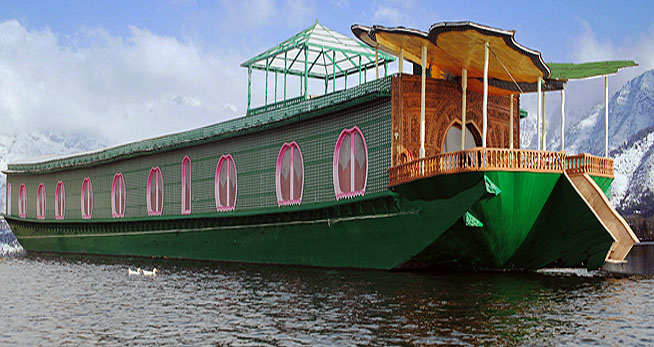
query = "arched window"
x=60 y=201
x=8 y=201
x=87 y=198
x=186 y=185
x=350 y=164
x=289 y=175
x=155 y=192
x=22 y=201
x=225 y=183
x=118 y=194
x=40 y=202
x=453 y=139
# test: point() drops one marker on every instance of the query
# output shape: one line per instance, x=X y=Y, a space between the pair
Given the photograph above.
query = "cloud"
x=248 y=13
x=121 y=89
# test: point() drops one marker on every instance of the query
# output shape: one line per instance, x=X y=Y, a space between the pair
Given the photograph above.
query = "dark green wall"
x=255 y=156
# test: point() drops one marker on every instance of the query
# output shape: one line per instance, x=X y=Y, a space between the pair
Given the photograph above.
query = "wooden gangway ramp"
x=623 y=237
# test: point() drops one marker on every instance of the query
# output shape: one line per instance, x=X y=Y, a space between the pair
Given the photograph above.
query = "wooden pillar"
x=401 y=62
x=540 y=102
x=464 y=89
x=563 y=118
x=511 y=122
x=485 y=103
x=544 y=130
x=422 y=102
x=606 y=116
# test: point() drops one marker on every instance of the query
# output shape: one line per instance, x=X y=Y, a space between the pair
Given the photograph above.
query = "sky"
x=128 y=70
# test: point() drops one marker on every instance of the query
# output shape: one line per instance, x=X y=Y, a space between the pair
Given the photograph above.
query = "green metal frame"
x=345 y=56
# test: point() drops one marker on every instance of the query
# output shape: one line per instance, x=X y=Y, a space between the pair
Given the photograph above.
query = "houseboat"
x=393 y=171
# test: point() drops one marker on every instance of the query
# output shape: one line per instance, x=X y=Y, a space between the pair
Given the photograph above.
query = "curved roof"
x=452 y=46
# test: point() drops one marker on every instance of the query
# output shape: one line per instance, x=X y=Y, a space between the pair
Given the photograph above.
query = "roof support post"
x=464 y=89
x=275 y=86
x=333 y=71
x=511 y=122
x=359 y=69
x=540 y=103
x=249 y=86
x=422 y=102
x=365 y=75
x=544 y=130
x=606 y=116
x=485 y=103
x=385 y=67
x=345 y=79
x=265 y=103
x=285 y=71
x=377 y=62
x=306 y=72
x=326 y=83
x=401 y=62
x=563 y=119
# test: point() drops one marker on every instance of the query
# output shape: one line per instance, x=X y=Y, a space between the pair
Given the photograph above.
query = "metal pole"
x=359 y=69
x=385 y=67
x=377 y=62
x=563 y=119
x=485 y=103
x=249 y=86
x=285 y=68
x=275 y=86
x=511 y=122
x=266 y=95
x=422 y=102
x=306 y=72
x=606 y=116
x=544 y=131
x=333 y=71
x=540 y=103
x=464 y=89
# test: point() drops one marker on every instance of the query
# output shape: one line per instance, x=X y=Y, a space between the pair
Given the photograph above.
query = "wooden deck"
x=499 y=159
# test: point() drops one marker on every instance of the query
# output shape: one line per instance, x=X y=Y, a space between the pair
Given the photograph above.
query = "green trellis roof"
x=327 y=50
x=568 y=71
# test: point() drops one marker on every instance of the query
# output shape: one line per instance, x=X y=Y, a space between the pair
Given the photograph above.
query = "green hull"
x=530 y=220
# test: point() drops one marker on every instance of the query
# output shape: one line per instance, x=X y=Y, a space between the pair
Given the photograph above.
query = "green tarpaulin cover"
x=569 y=71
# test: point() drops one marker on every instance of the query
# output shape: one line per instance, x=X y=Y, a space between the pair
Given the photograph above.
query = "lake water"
x=71 y=300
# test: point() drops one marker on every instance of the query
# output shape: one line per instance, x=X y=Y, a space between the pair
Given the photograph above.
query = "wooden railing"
x=590 y=164
x=477 y=159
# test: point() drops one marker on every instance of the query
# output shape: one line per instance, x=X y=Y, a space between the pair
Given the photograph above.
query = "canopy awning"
x=569 y=71
x=452 y=46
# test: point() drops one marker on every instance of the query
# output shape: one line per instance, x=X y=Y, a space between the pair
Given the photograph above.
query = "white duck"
x=150 y=273
x=131 y=272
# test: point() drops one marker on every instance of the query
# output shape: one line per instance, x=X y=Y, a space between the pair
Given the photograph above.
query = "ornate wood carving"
x=442 y=108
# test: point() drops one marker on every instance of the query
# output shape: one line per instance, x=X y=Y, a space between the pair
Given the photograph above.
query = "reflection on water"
x=90 y=300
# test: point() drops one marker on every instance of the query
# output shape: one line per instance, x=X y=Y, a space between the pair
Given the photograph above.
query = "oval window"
x=155 y=192
x=350 y=166
x=225 y=183
x=289 y=175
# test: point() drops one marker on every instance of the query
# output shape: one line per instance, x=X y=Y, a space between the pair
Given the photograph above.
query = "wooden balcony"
x=499 y=159
x=590 y=164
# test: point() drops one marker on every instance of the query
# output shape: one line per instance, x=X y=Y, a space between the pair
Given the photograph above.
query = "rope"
x=507 y=71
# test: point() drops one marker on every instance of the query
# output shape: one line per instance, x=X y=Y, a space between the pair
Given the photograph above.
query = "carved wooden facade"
x=442 y=110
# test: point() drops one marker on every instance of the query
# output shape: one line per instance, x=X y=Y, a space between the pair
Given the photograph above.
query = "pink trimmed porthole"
x=118 y=195
x=225 y=183
x=40 y=202
x=186 y=185
x=350 y=164
x=289 y=175
x=155 y=192
x=8 y=201
x=60 y=201
x=22 y=201
x=87 y=198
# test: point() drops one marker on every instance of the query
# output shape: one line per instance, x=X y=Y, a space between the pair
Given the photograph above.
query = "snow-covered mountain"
x=631 y=142
x=38 y=144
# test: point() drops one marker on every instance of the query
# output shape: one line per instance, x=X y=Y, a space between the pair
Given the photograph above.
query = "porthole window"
x=87 y=198
x=186 y=185
x=40 y=202
x=8 y=201
x=118 y=194
x=350 y=164
x=225 y=184
x=60 y=201
x=289 y=175
x=22 y=201
x=155 y=192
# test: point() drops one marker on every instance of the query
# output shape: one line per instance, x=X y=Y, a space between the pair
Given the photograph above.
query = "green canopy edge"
x=569 y=71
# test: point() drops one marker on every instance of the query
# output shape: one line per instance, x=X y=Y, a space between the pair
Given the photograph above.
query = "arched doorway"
x=453 y=138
